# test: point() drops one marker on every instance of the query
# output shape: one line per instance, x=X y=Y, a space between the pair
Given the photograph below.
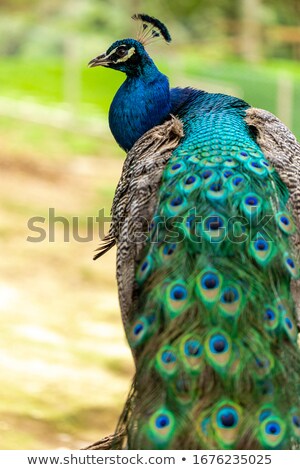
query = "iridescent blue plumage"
x=214 y=276
x=143 y=100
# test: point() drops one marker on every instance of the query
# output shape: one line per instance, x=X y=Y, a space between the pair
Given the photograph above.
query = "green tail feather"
x=214 y=330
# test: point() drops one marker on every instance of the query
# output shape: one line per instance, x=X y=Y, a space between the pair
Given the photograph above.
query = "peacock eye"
x=121 y=51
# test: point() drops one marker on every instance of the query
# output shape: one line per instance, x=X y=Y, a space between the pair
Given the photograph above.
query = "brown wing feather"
x=282 y=149
x=134 y=203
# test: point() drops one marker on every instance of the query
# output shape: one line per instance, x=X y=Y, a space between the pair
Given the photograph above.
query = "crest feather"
x=150 y=29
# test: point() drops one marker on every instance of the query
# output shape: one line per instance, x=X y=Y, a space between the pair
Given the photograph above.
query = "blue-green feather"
x=225 y=286
x=213 y=326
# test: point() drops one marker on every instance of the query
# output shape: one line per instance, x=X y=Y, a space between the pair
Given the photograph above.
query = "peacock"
x=206 y=219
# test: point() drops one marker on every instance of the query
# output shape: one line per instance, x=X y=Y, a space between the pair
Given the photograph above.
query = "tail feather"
x=213 y=324
x=106 y=245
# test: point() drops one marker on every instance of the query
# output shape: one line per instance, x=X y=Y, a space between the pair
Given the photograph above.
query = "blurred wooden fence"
x=65 y=115
x=60 y=117
x=250 y=39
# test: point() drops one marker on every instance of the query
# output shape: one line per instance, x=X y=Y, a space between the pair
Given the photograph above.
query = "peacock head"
x=129 y=55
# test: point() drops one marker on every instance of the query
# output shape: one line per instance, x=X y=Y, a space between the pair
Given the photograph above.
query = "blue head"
x=127 y=55
x=143 y=100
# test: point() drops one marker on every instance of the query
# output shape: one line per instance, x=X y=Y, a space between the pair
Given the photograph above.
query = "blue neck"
x=142 y=102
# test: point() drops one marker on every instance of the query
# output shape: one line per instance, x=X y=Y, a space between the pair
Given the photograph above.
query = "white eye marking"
x=121 y=51
x=129 y=54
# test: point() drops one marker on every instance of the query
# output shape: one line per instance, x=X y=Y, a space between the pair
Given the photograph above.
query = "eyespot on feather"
x=230 y=163
x=192 y=353
x=291 y=266
x=213 y=228
x=218 y=349
x=161 y=427
x=174 y=169
x=251 y=205
x=226 y=420
x=184 y=389
x=144 y=269
x=208 y=177
x=166 y=361
x=166 y=251
x=263 y=365
x=175 y=205
x=285 y=223
x=138 y=332
x=271 y=318
x=262 y=251
x=271 y=433
x=255 y=166
x=289 y=326
x=216 y=193
x=242 y=156
x=190 y=183
x=208 y=286
x=294 y=422
x=231 y=301
x=176 y=298
x=237 y=183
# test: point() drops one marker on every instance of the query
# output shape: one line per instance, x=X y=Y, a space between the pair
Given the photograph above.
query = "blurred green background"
x=64 y=364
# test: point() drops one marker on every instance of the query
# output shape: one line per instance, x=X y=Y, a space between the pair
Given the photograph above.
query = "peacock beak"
x=100 y=60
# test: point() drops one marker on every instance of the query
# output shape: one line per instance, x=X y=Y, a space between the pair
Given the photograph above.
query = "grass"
x=43 y=82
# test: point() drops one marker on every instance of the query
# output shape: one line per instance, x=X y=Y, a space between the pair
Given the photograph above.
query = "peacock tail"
x=213 y=325
x=206 y=218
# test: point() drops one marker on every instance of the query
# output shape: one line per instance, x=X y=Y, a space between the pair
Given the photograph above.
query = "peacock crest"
x=150 y=29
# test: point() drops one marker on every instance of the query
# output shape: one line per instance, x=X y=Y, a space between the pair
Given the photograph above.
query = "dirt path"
x=64 y=364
